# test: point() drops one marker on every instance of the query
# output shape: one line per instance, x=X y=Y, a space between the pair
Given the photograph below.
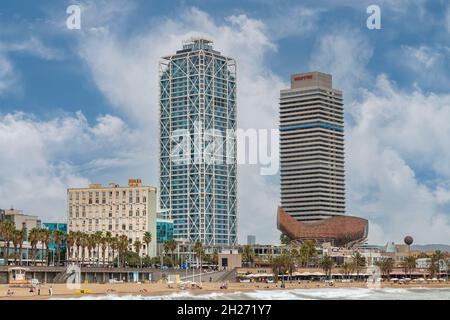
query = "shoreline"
x=61 y=292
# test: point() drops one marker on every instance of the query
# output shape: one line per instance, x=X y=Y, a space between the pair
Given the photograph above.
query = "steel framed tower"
x=198 y=94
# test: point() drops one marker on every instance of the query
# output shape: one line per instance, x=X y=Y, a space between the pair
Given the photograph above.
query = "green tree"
x=46 y=239
x=17 y=240
x=170 y=246
x=147 y=239
x=84 y=243
x=283 y=264
x=34 y=238
x=326 y=263
x=58 y=238
x=6 y=232
x=97 y=238
x=308 y=253
x=215 y=257
x=199 y=251
x=137 y=248
x=284 y=239
x=105 y=241
x=123 y=249
x=248 y=255
x=408 y=265
x=359 y=262
x=386 y=266
x=347 y=268
x=436 y=259
x=114 y=244
x=70 y=241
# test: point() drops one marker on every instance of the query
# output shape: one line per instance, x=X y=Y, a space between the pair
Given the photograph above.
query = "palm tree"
x=359 y=262
x=283 y=264
x=84 y=242
x=386 y=266
x=307 y=253
x=147 y=239
x=17 y=240
x=409 y=264
x=21 y=239
x=437 y=256
x=215 y=257
x=114 y=244
x=78 y=242
x=45 y=237
x=97 y=237
x=327 y=263
x=34 y=238
x=284 y=239
x=171 y=245
x=198 y=249
x=58 y=238
x=6 y=232
x=71 y=239
x=347 y=268
x=106 y=245
x=91 y=244
x=123 y=249
x=248 y=255
x=137 y=248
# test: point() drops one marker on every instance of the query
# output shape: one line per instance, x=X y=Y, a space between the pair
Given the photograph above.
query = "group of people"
x=32 y=290
x=38 y=290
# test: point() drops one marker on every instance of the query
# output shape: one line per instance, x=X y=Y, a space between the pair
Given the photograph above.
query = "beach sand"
x=61 y=291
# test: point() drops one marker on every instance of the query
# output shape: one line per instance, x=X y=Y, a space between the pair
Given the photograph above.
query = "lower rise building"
x=121 y=210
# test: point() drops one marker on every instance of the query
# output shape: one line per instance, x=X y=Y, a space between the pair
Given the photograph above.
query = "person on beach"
x=50 y=291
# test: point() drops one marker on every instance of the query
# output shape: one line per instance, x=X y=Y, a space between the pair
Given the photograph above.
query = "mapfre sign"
x=300 y=78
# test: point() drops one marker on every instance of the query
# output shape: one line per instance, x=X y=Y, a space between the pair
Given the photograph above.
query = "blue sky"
x=80 y=106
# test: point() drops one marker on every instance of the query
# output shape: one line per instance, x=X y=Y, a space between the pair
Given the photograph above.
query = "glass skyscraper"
x=198 y=99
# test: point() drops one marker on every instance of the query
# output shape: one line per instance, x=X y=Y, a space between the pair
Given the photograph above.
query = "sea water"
x=299 y=294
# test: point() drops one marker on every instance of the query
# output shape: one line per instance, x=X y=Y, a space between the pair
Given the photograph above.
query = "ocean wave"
x=297 y=294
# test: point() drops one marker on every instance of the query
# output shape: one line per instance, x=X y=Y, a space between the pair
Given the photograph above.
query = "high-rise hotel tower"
x=312 y=162
x=198 y=96
x=312 y=148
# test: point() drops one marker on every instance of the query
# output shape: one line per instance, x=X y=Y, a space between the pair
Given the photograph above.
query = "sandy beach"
x=60 y=291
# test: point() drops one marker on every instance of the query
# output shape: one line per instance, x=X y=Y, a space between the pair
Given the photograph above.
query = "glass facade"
x=198 y=95
x=164 y=230
x=53 y=227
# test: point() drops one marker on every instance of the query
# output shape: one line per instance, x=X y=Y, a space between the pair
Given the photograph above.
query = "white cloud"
x=447 y=20
x=8 y=78
x=397 y=136
x=421 y=57
x=126 y=72
x=37 y=158
x=293 y=21
x=34 y=47
x=395 y=177
x=344 y=54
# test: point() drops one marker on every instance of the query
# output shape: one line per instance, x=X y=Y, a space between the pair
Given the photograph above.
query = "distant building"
x=229 y=259
x=53 y=227
x=22 y=221
x=251 y=240
x=2 y=215
x=129 y=211
x=164 y=230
